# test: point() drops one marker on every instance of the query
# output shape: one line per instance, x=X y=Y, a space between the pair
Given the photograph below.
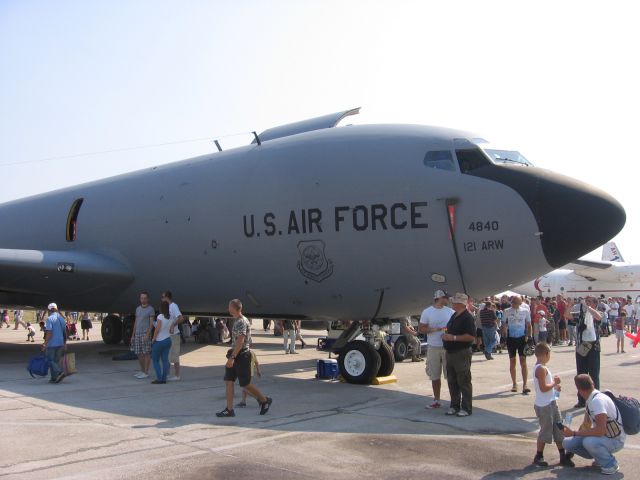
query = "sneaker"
x=294 y=353
x=60 y=377
x=610 y=470
x=173 y=378
x=451 y=411
x=566 y=461
x=435 y=404
x=540 y=461
x=462 y=413
x=286 y=351
x=158 y=382
x=595 y=464
x=141 y=375
x=241 y=404
x=264 y=407
x=226 y=413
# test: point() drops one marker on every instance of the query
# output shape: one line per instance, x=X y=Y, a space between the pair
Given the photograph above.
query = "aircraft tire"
x=359 y=362
x=400 y=349
x=127 y=329
x=387 y=360
x=111 y=330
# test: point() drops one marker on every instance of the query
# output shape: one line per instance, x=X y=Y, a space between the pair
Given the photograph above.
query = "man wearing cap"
x=461 y=334
x=433 y=323
x=55 y=342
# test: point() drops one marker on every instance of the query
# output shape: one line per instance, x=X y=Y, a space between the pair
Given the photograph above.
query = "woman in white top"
x=161 y=344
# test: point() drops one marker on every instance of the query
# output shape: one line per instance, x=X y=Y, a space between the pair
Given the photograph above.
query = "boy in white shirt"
x=546 y=407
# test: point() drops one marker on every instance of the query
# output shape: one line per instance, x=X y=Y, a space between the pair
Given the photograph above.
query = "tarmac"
x=102 y=423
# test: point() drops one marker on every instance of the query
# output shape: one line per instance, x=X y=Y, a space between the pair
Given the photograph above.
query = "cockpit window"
x=507 y=157
x=72 y=219
x=440 y=159
x=471 y=158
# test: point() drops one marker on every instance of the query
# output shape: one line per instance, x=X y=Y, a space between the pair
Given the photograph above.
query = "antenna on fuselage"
x=257 y=138
x=218 y=145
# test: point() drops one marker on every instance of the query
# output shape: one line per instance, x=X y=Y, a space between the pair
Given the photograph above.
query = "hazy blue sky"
x=557 y=80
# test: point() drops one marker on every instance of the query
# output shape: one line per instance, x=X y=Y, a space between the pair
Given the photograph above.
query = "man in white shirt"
x=433 y=323
x=516 y=327
x=177 y=319
x=606 y=435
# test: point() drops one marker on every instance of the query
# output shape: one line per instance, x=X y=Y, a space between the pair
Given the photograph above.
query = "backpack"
x=38 y=365
x=629 y=409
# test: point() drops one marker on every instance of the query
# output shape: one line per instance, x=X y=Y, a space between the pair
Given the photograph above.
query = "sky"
x=153 y=82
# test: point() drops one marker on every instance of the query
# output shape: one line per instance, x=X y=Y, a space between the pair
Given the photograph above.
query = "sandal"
x=526 y=391
x=514 y=389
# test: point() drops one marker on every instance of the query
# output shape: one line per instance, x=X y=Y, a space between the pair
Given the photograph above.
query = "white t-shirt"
x=164 y=325
x=628 y=308
x=613 y=310
x=599 y=403
x=436 y=318
x=589 y=333
x=517 y=321
x=542 y=324
x=174 y=313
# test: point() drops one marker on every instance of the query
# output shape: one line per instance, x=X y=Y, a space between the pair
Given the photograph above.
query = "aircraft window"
x=72 y=219
x=471 y=158
x=507 y=156
x=440 y=159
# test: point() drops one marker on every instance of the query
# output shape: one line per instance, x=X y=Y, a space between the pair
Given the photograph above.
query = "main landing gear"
x=116 y=329
x=363 y=354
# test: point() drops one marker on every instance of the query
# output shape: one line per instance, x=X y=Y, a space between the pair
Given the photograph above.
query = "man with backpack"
x=55 y=342
x=603 y=432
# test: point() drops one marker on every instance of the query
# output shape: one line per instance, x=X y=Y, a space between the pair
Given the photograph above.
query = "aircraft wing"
x=594 y=270
x=63 y=272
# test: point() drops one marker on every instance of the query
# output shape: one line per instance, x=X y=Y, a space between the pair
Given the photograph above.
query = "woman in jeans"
x=161 y=344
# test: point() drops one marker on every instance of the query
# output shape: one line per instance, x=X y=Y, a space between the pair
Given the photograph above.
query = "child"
x=31 y=332
x=546 y=407
x=255 y=370
x=542 y=326
x=619 y=327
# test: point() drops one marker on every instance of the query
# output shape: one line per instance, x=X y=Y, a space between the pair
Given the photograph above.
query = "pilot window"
x=72 y=219
x=471 y=159
x=440 y=159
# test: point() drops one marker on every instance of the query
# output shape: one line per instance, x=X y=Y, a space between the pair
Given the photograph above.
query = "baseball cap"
x=440 y=294
x=541 y=312
x=460 y=298
x=52 y=306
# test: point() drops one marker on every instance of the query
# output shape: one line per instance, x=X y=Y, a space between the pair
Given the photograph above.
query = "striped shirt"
x=488 y=318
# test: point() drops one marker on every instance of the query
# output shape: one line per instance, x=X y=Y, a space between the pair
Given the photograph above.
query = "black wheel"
x=111 y=330
x=359 y=362
x=400 y=349
x=387 y=360
x=127 y=329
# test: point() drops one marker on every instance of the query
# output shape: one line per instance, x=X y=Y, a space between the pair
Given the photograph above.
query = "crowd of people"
x=454 y=328
x=453 y=333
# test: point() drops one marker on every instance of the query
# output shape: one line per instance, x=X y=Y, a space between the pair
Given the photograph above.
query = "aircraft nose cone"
x=574 y=217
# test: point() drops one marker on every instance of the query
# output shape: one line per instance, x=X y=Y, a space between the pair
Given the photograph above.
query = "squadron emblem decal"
x=313 y=263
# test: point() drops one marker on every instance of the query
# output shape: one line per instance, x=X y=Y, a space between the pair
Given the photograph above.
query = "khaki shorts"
x=436 y=365
x=174 y=353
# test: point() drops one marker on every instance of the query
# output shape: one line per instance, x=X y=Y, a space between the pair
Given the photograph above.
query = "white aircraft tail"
x=610 y=253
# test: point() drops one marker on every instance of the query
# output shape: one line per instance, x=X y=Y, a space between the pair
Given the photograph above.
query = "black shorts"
x=562 y=325
x=516 y=344
x=241 y=369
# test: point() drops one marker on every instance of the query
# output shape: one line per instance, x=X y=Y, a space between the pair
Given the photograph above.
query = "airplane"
x=611 y=277
x=309 y=221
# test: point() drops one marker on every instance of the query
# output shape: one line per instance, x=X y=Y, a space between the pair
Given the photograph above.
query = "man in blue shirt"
x=55 y=342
